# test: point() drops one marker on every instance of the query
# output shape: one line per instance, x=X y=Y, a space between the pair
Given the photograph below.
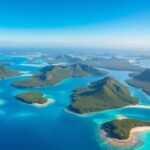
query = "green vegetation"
x=101 y=95
x=8 y=73
x=32 y=97
x=114 y=63
x=144 y=76
x=52 y=75
x=120 y=129
x=142 y=81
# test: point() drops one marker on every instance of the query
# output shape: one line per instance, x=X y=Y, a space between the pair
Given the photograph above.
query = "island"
x=55 y=59
x=6 y=73
x=101 y=95
x=34 y=98
x=52 y=75
x=141 y=80
x=62 y=58
x=113 y=63
x=123 y=132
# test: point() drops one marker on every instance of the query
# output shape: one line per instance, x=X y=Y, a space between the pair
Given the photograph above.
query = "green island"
x=114 y=63
x=101 y=95
x=141 y=80
x=8 y=73
x=32 y=98
x=52 y=75
x=120 y=129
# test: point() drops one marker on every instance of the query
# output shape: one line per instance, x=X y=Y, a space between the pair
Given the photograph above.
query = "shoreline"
x=26 y=73
x=34 y=65
x=139 y=106
x=82 y=115
x=97 y=112
x=46 y=86
x=131 y=141
x=76 y=114
x=49 y=102
x=141 y=88
x=11 y=77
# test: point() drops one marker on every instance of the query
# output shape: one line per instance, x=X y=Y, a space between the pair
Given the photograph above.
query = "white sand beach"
x=131 y=141
x=49 y=102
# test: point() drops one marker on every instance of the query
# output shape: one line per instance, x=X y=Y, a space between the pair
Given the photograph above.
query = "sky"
x=75 y=23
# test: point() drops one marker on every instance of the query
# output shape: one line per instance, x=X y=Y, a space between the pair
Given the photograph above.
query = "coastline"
x=76 y=114
x=49 y=102
x=85 y=114
x=97 y=112
x=139 y=106
x=38 y=87
x=11 y=77
x=136 y=86
x=34 y=65
x=26 y=73
x=131 y=141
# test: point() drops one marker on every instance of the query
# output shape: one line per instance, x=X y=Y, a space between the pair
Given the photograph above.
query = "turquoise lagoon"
x=26 y=127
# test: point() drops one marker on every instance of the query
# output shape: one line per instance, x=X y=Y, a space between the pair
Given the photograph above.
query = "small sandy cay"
x=131 y=141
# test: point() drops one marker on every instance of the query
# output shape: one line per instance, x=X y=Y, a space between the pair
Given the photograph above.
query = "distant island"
x=52 y=75
x=6 y=73
x=141 y=80
x=34 y=98
x=101 y=95
x=62 y=58
x=113 y=63
x=122 y=132
x=55 y=59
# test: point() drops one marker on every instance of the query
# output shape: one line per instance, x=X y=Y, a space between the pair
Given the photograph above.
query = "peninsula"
x=6 y=73
x=52 y=75
x=142 y=81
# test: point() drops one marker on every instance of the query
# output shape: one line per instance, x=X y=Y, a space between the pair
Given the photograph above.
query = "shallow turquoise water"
x=26 y=127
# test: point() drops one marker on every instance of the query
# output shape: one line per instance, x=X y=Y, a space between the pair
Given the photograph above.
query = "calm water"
x=25 y=127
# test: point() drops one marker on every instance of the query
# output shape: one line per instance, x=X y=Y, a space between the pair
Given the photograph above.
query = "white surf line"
x=117 y=109
x=138 y=106
x=121 y=117
x=26 y=73
x=34 y=65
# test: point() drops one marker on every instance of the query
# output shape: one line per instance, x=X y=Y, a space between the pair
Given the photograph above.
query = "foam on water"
x=34 y=65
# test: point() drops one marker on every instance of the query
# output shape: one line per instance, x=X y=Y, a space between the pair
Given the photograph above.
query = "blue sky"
x=82 y=23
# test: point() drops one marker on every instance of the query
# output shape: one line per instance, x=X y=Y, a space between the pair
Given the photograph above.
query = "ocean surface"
x=25 y=127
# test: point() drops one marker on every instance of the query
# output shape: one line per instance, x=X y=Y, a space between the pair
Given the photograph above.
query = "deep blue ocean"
x=25 y=127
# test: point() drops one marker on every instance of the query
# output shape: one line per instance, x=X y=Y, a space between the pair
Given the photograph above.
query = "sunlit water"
x=24 y=127
x=144 y=63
